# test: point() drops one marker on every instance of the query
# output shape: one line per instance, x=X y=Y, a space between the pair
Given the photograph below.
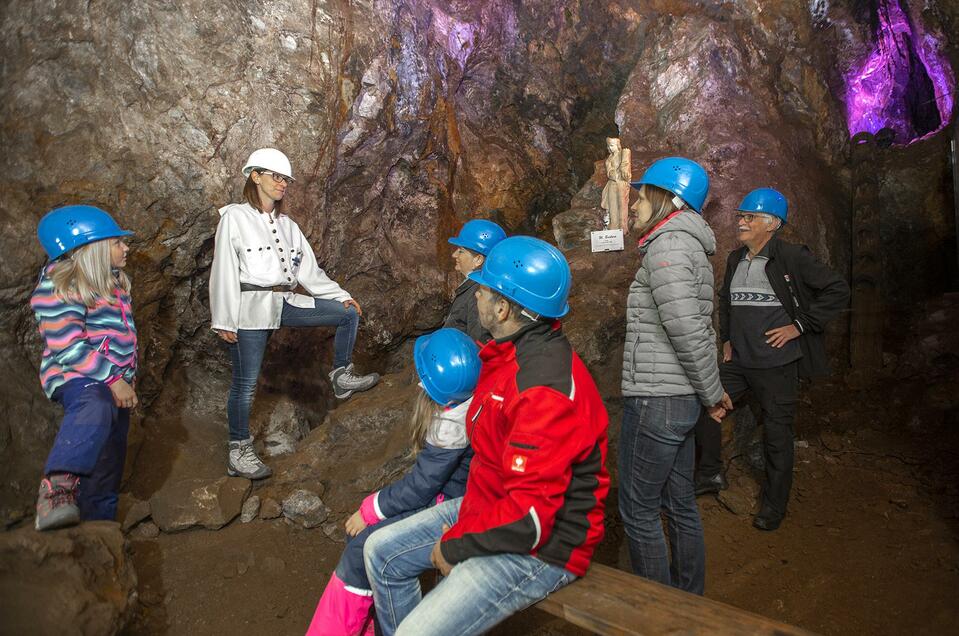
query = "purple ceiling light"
x=906 y=84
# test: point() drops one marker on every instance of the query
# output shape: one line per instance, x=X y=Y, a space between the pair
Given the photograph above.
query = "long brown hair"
x=86 y=274
x=662 y=204
x=424 y=410
x=252 y=196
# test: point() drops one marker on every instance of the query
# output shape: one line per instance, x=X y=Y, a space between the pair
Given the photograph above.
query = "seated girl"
x=448 y=366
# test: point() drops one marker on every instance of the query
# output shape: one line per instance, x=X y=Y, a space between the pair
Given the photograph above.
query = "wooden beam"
x=615 y=603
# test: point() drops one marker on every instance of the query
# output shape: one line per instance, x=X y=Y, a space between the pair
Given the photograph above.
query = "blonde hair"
x=662 y=203
x=86 y=274
x=424 y=411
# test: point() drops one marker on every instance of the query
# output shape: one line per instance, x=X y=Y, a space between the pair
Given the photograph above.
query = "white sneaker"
x=244 y=461
x=345 y=382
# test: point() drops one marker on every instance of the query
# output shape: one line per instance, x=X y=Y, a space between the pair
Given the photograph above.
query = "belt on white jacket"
x=246 y=287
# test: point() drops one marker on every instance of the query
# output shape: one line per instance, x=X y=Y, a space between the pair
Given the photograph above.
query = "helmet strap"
x=532 y=316
x=679 y=203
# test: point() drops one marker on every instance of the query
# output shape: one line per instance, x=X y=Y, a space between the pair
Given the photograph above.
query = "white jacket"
x=263 y=250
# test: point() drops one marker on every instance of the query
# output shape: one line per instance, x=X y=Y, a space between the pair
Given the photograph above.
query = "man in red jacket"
x=533 y=510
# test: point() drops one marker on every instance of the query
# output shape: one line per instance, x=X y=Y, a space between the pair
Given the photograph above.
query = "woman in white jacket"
x=259 y=258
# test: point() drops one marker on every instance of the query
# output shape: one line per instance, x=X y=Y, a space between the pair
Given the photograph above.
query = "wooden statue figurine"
x=615 y=201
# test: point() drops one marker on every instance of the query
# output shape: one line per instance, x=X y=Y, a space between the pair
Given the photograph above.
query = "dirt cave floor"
x=869 y=545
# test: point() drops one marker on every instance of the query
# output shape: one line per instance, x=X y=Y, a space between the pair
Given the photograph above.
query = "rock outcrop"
x=78 y=580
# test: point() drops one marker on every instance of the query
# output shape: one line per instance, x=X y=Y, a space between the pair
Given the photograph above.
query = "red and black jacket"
x=538 y=482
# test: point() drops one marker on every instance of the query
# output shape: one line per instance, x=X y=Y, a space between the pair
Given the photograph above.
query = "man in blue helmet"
x=773 y=307
x=473 y=244
x=532 y=514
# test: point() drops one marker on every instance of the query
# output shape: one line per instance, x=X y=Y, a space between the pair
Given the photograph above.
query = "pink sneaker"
x=57 y=502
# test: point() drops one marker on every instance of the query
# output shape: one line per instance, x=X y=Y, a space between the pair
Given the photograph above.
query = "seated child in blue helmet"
x=82 y=307
x=473 y=244
x=447 y=362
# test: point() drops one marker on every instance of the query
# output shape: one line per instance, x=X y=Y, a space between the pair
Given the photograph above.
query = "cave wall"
x=403 y=118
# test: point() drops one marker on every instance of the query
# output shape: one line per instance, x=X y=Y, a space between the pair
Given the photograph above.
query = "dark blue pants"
x=351 y=569
x=91 y=443
x=656 y=455
x=247 y=354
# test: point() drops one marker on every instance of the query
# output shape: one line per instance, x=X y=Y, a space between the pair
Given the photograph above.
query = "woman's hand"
x=355 y=524
x=229 y=336
x=718 y=410
x=123 y=394
x=352 y=303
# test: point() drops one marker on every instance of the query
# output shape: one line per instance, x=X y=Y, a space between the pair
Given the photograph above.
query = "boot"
x=345 y=382
x=710 y=484
x=244 y=461
x=57 y=502
x=341 y=611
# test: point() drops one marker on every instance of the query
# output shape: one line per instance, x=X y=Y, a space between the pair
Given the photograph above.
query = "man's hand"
x=352 y=303
x=439 y=561
x=229 y=336
x=727 y=351
x=781 y=335
x=123 y=394
x=355 y=524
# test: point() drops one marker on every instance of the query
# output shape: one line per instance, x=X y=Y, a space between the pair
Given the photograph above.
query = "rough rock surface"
x=270 y=509
x=251 y=507
x=78 y=580
x=286 y=426
x=305 y=508
x=198 y=502
x=137 y=512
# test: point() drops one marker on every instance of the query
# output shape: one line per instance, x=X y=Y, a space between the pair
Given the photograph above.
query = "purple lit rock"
x=905 y=84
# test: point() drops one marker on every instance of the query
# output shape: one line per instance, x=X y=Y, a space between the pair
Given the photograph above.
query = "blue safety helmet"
x=530 y=272
x=683 y=177
x=73 y=226
x=479 y=235
x=447 y=362
x=765 y=201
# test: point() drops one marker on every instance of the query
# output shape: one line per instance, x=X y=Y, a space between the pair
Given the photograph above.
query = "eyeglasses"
x=277 y=178
x=748 y=218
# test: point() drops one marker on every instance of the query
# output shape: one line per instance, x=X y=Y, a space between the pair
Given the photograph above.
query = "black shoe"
x=710 y=485
x=766 y=523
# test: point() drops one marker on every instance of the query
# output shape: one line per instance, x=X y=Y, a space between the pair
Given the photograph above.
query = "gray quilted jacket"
x=670 y=342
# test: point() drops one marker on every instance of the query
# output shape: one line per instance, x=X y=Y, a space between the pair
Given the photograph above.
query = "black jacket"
x=463 y=313
x=811 y=293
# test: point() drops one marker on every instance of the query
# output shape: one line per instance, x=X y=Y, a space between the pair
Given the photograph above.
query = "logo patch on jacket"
x=518 y=464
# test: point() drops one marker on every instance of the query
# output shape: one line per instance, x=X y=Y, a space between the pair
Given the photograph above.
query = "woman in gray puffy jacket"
x=670 y=373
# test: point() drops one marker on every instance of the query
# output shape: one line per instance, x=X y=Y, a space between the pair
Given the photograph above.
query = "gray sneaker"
x=345 y=382
x=57 y=502
x=244 y=461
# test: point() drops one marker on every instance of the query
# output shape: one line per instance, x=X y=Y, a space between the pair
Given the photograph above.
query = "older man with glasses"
x=773 y=307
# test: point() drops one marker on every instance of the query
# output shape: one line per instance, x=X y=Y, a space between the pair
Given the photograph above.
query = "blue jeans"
x=247 y=354
x=91 y=443
x=479 y=593
x=657 y=452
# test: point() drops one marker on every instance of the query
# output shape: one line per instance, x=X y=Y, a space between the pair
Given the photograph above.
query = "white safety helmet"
x=268 y=159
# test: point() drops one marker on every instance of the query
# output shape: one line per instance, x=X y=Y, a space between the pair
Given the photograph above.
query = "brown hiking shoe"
x=57 y=502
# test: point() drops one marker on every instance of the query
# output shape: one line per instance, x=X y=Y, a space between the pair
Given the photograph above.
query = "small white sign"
x=606 y=240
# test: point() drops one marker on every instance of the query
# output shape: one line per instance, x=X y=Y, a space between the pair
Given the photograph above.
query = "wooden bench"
x=608 y=601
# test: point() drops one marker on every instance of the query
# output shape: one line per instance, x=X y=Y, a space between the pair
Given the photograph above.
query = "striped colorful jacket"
x=99 y=343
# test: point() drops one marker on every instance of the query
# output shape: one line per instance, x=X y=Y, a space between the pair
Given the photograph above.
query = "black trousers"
x=777 y=391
